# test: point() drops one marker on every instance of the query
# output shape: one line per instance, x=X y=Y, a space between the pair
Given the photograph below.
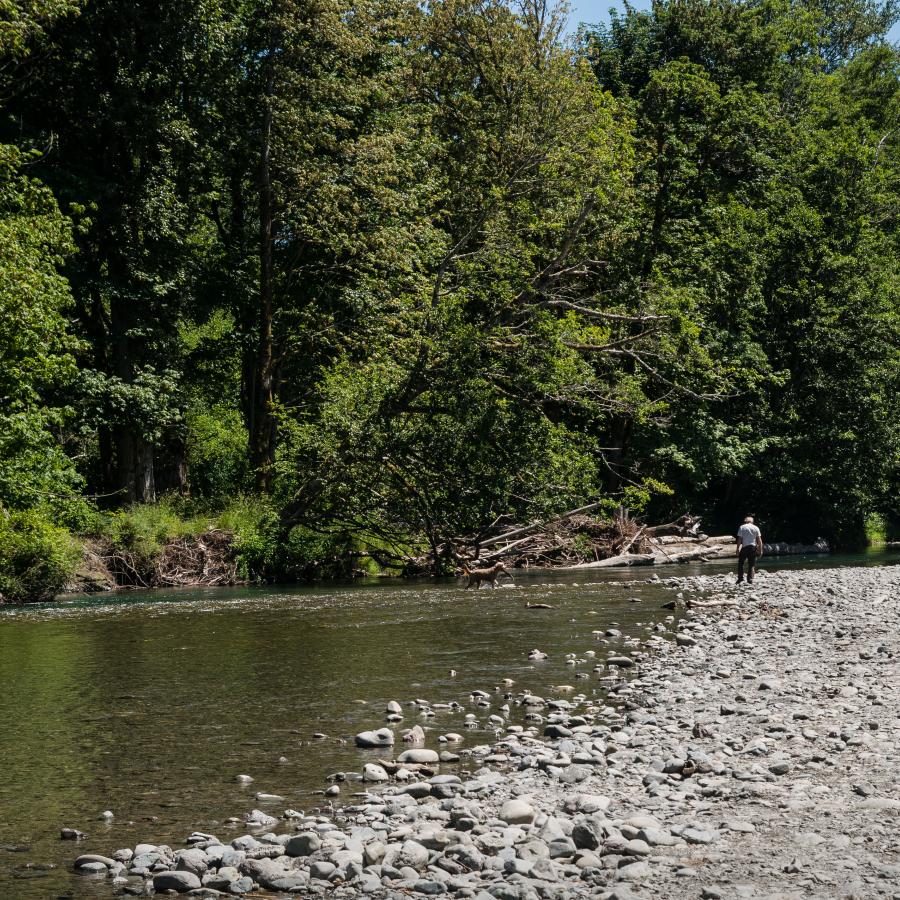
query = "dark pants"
x=747 y=555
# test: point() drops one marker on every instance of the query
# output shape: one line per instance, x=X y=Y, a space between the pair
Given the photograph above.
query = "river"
x=149 y=704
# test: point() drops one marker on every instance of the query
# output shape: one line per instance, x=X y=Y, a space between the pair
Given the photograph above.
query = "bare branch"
x=685 y=392
x=597 y=314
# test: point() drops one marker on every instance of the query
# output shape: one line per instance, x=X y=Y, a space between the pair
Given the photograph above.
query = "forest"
x=331 y=283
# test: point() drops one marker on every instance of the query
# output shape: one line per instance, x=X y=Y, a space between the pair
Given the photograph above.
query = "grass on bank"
x=880 y=529
x=39 y=557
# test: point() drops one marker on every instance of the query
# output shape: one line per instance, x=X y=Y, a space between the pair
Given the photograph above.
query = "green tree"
x=36 y=352
x=487 y=386
x=765 y=196
x=315 y=175
x=36 y=359
x=117 y=93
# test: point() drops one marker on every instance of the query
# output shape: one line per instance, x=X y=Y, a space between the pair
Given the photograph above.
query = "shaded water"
x=149 y=704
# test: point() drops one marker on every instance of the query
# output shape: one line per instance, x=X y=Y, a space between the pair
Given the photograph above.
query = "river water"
x=149 y=704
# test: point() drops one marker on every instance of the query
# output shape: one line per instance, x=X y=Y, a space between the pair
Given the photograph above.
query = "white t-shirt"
x=748 y=534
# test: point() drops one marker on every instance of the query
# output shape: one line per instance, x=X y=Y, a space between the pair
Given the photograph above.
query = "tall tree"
x=116 y=93
x=315 y=175
x=486 y=389
x=761 y=185
x=36 y=352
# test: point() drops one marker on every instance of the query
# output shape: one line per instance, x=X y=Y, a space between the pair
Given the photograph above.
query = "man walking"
x=749 y=547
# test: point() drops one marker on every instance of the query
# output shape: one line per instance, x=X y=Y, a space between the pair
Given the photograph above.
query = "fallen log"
x=685 y=525
x=634 y=539
x=667 y=539
x=708 y=604
x=689 y=555
x=487 y=557
x=623 y=559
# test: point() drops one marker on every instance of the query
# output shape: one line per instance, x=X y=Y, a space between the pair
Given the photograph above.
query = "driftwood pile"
x=571 y=539
x=578 y=540
x=206 y=560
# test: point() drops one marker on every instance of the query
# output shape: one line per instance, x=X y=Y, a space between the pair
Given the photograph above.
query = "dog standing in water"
x=490 y=574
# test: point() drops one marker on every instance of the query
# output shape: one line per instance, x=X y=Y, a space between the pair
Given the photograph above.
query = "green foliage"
x=36 y=352
x=768 y=160
x=217 y=451
x=409 y=268
x=22 y=23
x=37 y=558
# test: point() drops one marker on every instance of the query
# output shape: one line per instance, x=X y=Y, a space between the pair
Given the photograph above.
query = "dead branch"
x=598 y=314
x=535 y=525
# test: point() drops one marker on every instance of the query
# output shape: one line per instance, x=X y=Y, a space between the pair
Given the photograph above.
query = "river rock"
x=87 y=858
x=657 y=837
x=182 y=882
x=383 y=737
x=371 y=772
x=303 y=844
x=421 y=756
x=411 y=854
x=414 y=735
x=92 y=868
x=322 y=869
x=191 y=861
x=623 y=662
x=695 y=835
x=516 y=811
x=258 y=818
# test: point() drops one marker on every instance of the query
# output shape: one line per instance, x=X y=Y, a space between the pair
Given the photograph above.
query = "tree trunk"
x=134 y=456
x=262 y=433
x=144 y=476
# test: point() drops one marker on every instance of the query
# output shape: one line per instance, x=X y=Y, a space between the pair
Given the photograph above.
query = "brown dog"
x=476 y=576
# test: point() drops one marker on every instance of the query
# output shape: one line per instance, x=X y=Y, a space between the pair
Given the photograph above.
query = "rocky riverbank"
x=751 y=753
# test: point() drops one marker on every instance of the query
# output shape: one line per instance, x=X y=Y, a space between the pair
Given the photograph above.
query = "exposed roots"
x=206 y=560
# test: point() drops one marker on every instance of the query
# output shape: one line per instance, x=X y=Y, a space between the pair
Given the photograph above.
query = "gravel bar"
x=751 y=753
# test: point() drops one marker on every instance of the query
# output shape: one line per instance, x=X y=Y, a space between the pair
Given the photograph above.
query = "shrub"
x=37 y=558
x=217 y=452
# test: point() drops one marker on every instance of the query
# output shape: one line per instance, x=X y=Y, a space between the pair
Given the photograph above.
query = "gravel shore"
x=753 y=753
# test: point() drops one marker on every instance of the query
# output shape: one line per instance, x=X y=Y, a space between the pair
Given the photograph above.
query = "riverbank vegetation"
x=348 y=280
